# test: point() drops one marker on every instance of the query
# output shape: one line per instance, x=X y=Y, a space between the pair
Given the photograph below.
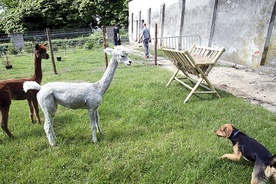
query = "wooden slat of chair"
x=202 y=77
x=177 y=57
x=198 y=61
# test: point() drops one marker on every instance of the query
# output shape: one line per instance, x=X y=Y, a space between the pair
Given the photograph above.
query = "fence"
x=61 y=40
x=38 y=36
x=55 y=34
x=179 y=42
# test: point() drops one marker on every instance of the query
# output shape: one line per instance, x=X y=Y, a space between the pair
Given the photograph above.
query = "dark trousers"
x=146 y=46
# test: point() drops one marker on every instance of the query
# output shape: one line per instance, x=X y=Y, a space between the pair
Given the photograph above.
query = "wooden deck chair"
x=195 y=64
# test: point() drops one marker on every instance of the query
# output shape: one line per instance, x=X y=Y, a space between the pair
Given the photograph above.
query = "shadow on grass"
x=201 y=97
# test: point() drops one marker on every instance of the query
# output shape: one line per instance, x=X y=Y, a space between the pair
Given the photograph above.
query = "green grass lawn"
x=150 y=135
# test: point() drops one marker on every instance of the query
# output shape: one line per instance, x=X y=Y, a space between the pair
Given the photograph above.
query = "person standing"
x=145 y=35
x=116 y=37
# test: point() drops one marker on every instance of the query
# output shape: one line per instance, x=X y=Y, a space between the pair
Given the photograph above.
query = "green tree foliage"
x=10 y=22
x=27 y=15
x=113 y=12
x=9 y=3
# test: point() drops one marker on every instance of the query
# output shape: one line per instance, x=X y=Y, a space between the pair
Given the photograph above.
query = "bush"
x=3 y=49
x=29 y=47
x=89 y=44
x=12 y=50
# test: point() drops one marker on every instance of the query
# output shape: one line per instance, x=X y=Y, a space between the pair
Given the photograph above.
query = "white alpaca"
x=77 y=95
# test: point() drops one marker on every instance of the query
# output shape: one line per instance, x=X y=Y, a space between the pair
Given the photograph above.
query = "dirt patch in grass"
x=253 y=86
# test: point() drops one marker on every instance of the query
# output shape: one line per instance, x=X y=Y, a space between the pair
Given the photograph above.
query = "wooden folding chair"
x=195 y=64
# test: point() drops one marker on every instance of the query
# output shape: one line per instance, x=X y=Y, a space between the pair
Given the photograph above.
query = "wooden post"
x=104 y=44
x=155 y=45
x=51 y=50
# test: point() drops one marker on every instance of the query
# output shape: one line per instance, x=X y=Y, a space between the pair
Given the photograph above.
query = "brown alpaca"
x=13 y=89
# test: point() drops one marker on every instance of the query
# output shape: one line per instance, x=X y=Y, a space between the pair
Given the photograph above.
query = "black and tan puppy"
x=250 y=150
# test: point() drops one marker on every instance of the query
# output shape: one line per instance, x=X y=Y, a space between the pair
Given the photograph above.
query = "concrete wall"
x=172 y=19
x=198 y=19
x=246 y=28
x=270 y=60
x=242 y=27
x=139 y=11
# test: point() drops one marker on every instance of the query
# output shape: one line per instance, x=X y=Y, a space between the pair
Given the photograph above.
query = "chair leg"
x=211 y=86
x=172 y=78
x=193 y=90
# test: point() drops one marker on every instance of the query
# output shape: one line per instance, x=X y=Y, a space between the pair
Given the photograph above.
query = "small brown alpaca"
x=13 y=89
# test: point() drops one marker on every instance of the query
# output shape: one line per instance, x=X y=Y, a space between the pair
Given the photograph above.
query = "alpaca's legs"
x=36 y=109
x=31 y=112
x=5 y=103
x=49 y=122
x=4 y=121
x=48 y=128
x=33 y=106
x=97 y=117
x=92 y=115
x=49 y=108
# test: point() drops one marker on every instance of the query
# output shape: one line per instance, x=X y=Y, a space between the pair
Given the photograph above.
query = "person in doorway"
x=145 y=36
x=116 y=37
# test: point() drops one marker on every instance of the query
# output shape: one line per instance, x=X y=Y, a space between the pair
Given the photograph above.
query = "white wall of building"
x=148 y=11
x=243 y=27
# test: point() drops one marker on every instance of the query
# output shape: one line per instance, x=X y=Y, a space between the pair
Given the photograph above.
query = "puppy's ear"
x=232 y=125
x=228 y=130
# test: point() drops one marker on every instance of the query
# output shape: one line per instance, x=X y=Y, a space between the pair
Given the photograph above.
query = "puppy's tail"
x=31 y=85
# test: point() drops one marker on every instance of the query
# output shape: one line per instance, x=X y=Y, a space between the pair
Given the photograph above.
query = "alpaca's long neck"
x=108 y=76
x=37 y=70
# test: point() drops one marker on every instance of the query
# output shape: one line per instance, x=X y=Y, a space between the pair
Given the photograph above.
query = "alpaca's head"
x=40 y=51
x=120 y=54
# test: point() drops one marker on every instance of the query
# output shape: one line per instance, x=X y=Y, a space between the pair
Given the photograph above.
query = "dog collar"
x=233 y=135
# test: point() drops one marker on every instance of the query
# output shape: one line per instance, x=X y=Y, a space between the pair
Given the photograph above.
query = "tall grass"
x=150 y=135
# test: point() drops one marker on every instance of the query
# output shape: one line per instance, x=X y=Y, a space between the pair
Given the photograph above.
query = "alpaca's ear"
x=109 y=50
x=37 y=46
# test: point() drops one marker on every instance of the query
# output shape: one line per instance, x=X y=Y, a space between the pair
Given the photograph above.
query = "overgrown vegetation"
x=150 y=135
